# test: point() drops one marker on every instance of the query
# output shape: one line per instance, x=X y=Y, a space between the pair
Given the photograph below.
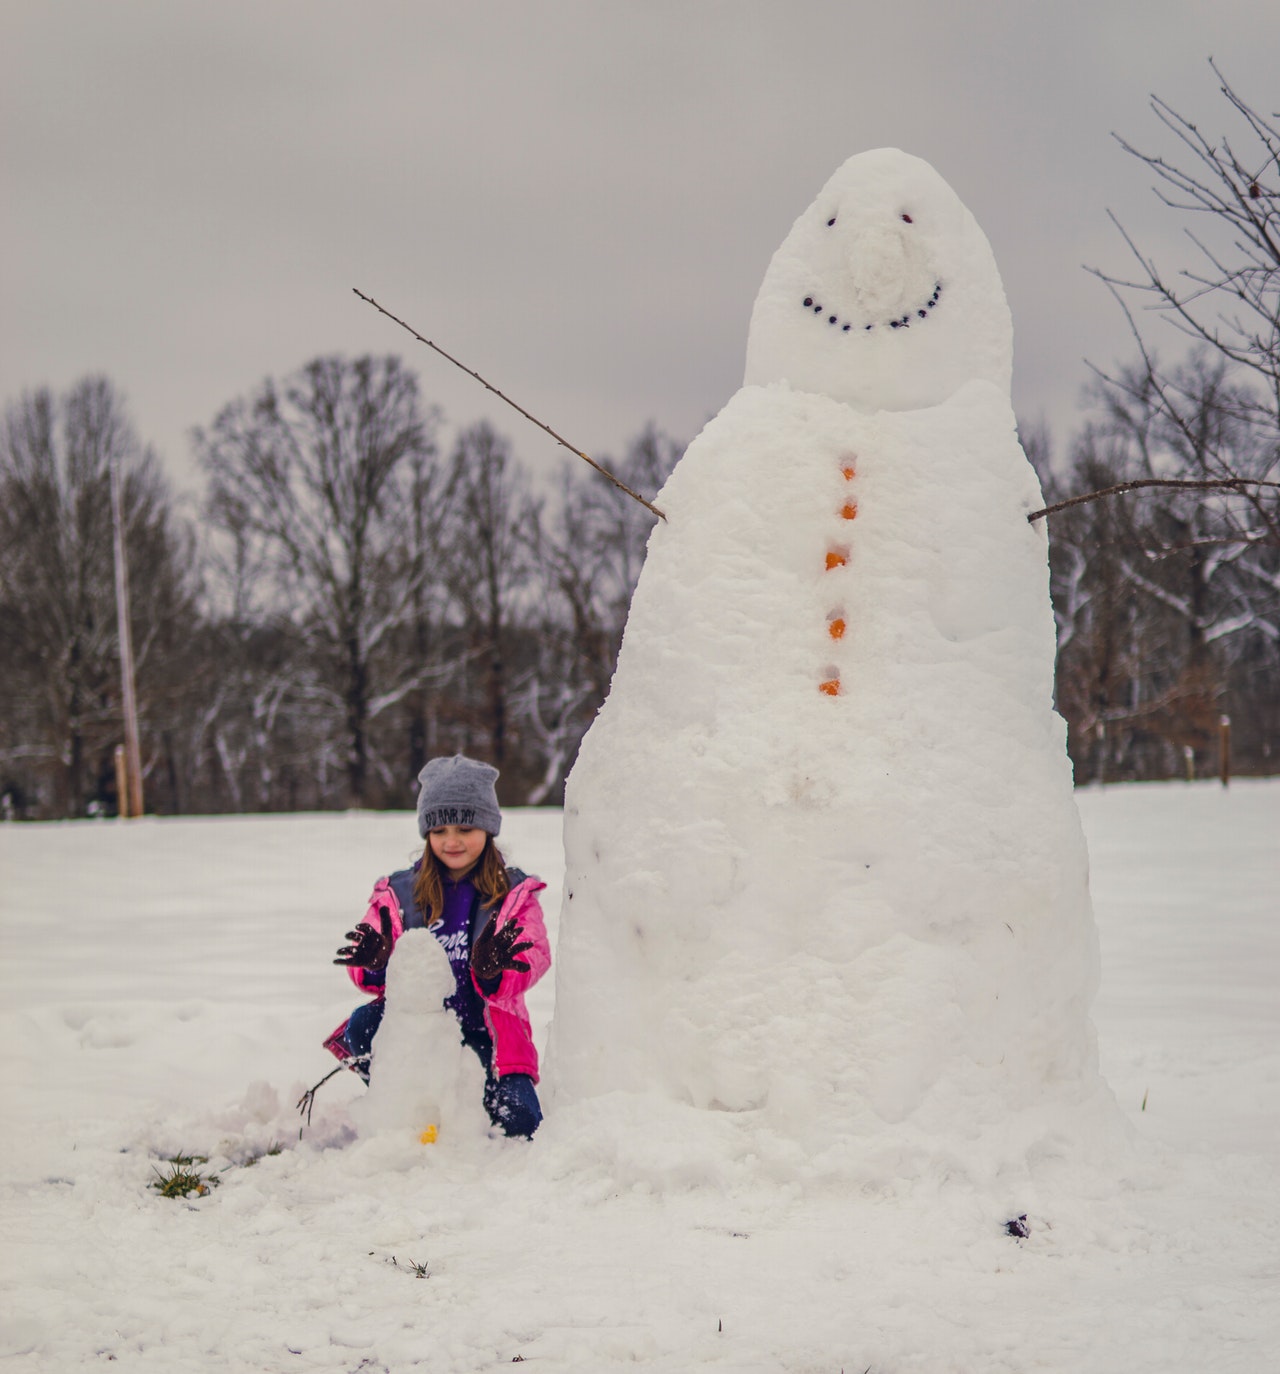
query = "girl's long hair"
x=488 y=877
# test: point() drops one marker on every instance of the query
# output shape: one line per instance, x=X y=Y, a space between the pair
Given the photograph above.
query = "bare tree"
x=1166 y=615
x=424 y=548
x=596 y=549
x=1168 y=603
x=1227 y=301
x=309 y=480
x=1230 y=299
x=494 y=520
x=590 y=556
x=59 y=657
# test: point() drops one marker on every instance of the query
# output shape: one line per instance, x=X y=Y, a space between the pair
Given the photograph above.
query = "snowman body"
x=421 y=1075
x=823 y=862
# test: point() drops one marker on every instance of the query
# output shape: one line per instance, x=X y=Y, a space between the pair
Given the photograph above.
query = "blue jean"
x=512 y=1104
x=511 y=1101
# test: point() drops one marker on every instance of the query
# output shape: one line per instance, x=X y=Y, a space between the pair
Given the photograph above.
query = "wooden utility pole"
x=122 y=782
x=130 y=804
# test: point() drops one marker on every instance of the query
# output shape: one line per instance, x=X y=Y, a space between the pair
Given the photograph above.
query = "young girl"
x=488 y=921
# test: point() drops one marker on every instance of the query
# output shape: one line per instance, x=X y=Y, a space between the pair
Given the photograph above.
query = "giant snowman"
x=824 y=867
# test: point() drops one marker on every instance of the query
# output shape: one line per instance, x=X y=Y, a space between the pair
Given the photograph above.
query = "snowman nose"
x=877 y=267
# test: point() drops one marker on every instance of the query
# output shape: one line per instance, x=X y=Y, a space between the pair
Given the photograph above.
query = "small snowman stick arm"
x=533 y=419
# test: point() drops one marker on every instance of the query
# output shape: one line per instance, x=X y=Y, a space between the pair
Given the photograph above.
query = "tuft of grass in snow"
x=274 y=1148
x=183 y=1177
x=421 y=1271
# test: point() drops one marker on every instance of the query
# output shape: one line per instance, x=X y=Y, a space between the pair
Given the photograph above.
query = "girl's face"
x=458 y=847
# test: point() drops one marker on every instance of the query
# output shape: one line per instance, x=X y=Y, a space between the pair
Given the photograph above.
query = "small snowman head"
x=884 y=295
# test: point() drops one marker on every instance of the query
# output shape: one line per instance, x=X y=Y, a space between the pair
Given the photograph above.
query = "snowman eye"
x=831 y=221
x=907 y=219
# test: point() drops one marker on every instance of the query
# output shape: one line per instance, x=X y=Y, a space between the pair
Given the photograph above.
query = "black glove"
x=372 y=948
x=495 y=950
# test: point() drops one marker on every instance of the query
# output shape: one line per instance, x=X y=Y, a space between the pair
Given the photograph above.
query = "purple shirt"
x=454 y=934
x=454 y=929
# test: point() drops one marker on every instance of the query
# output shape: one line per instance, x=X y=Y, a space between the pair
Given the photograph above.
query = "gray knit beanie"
x=458 y=791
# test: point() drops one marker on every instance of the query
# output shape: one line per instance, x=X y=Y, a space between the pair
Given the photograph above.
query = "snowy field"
x=166 y=986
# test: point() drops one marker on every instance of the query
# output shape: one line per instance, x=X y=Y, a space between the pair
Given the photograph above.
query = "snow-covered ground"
x=165 y=988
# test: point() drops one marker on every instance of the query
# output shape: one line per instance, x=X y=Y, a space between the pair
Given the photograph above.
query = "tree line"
x=354 y=601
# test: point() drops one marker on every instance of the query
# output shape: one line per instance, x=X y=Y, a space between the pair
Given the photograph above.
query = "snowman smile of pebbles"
x=825 y=879
x=882 y=268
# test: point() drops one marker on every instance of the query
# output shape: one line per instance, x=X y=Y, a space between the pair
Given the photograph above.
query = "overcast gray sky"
x=578 y=199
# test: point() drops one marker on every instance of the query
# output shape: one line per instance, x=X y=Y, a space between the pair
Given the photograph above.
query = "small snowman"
x=421 y=1075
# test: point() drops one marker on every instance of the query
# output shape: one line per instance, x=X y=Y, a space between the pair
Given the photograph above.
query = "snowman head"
x=884 y=295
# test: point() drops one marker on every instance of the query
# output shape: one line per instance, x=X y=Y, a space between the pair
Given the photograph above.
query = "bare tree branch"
x=533 y=419
x=1214 y=484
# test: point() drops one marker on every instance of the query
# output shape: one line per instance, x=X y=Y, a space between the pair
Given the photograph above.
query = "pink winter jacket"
x=504 y=1009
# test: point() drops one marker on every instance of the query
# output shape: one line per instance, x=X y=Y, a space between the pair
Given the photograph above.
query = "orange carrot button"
x=835 y=628
x=836 y=558
x=849 y=511
x=831 y=687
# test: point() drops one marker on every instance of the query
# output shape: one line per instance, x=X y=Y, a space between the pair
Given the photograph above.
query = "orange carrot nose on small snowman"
x=429 y=1136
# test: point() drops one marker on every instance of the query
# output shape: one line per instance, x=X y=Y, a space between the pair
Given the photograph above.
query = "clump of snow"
x=421 y=1073
x=824 y=869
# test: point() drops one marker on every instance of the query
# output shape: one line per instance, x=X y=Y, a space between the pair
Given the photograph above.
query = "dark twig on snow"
x=308 y=1098
x=1207 y=484
x=533 y=419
